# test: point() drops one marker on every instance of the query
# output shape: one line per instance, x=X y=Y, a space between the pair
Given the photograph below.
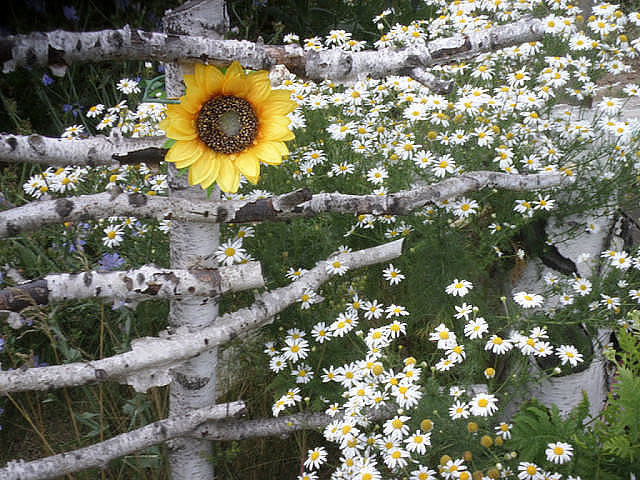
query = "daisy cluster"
x=365 y=385
x=613 y=297
x=476 y=328
x=140 y=121
x=63 y=180
x=378 y=136
x=399 y=133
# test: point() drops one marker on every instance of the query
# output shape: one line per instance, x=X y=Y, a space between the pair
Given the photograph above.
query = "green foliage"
x=535 y=426
x=620 y=428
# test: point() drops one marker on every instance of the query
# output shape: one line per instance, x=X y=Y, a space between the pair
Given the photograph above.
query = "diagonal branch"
x=143 y=283
x=34 y=215
x=61 y=48
x=100 y=454
x=97 y=150
x=158 y=354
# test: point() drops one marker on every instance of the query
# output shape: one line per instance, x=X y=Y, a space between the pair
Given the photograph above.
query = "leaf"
x=168 y=143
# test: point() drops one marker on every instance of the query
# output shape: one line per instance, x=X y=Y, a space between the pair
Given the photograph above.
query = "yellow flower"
x=226 y=124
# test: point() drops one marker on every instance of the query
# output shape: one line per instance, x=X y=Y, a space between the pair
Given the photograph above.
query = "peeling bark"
x=300 y=203
x=60 y=48
x=159 y=353
x=143 y=283
x=113 y=150
x=100 y=454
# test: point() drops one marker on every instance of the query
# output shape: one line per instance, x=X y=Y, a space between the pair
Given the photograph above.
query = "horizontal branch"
x=140 y=284
x=159 y=354
x=211 y=423
x=100 y=454
x=34 y=215
x=240 y=429
x=60 y=48
x=113 y=150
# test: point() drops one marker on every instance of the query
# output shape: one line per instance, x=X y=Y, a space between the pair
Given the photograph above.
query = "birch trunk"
x=192 y=246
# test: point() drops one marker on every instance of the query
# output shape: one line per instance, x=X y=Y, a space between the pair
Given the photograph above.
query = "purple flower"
x=110 y=261
x=46 y=80
x=70 y=13
x=1 y=348
x=71 y=107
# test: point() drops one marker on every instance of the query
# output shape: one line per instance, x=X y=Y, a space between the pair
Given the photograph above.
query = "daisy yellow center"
x=483 y=402
x=531 y=470
x=558 y=450
x=227 y=124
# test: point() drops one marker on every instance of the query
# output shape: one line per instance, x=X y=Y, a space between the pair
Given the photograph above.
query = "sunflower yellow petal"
x=259 y=88
x=268 y=153
x=184 y=151
x=279 y=107
x=203 y=168
x=282 y=147
x=234 y=81
x=209 y=78
x=280 y=94
x=253 y=180
x=248 y=164
x=181 y=129
x=274 y=128
x=229 y=177
x=213 y=174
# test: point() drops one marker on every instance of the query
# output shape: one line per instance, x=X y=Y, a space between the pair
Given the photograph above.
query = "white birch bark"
x=100 y=454
x=240 y=429
x=34 y=215
x=113 y=150
x=143 y=283
x=155 y=354
x=59 y=48
x=192 y=245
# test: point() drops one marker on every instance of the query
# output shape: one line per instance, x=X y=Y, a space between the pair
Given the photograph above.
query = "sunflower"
x=226 y=124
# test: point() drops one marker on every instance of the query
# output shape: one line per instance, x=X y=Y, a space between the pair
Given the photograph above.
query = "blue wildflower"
x=110 y=261
x=46 y=80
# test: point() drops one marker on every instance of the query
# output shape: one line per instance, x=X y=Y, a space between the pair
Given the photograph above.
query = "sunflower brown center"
x=227 y=124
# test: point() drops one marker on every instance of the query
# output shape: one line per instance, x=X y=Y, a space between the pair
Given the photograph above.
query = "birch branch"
x=143 y=283
x=155 y=354
x=60 y=48
x=113 y=150
x=211 y=423
x=100 y=454
x=301 y=203
x=239 y=429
